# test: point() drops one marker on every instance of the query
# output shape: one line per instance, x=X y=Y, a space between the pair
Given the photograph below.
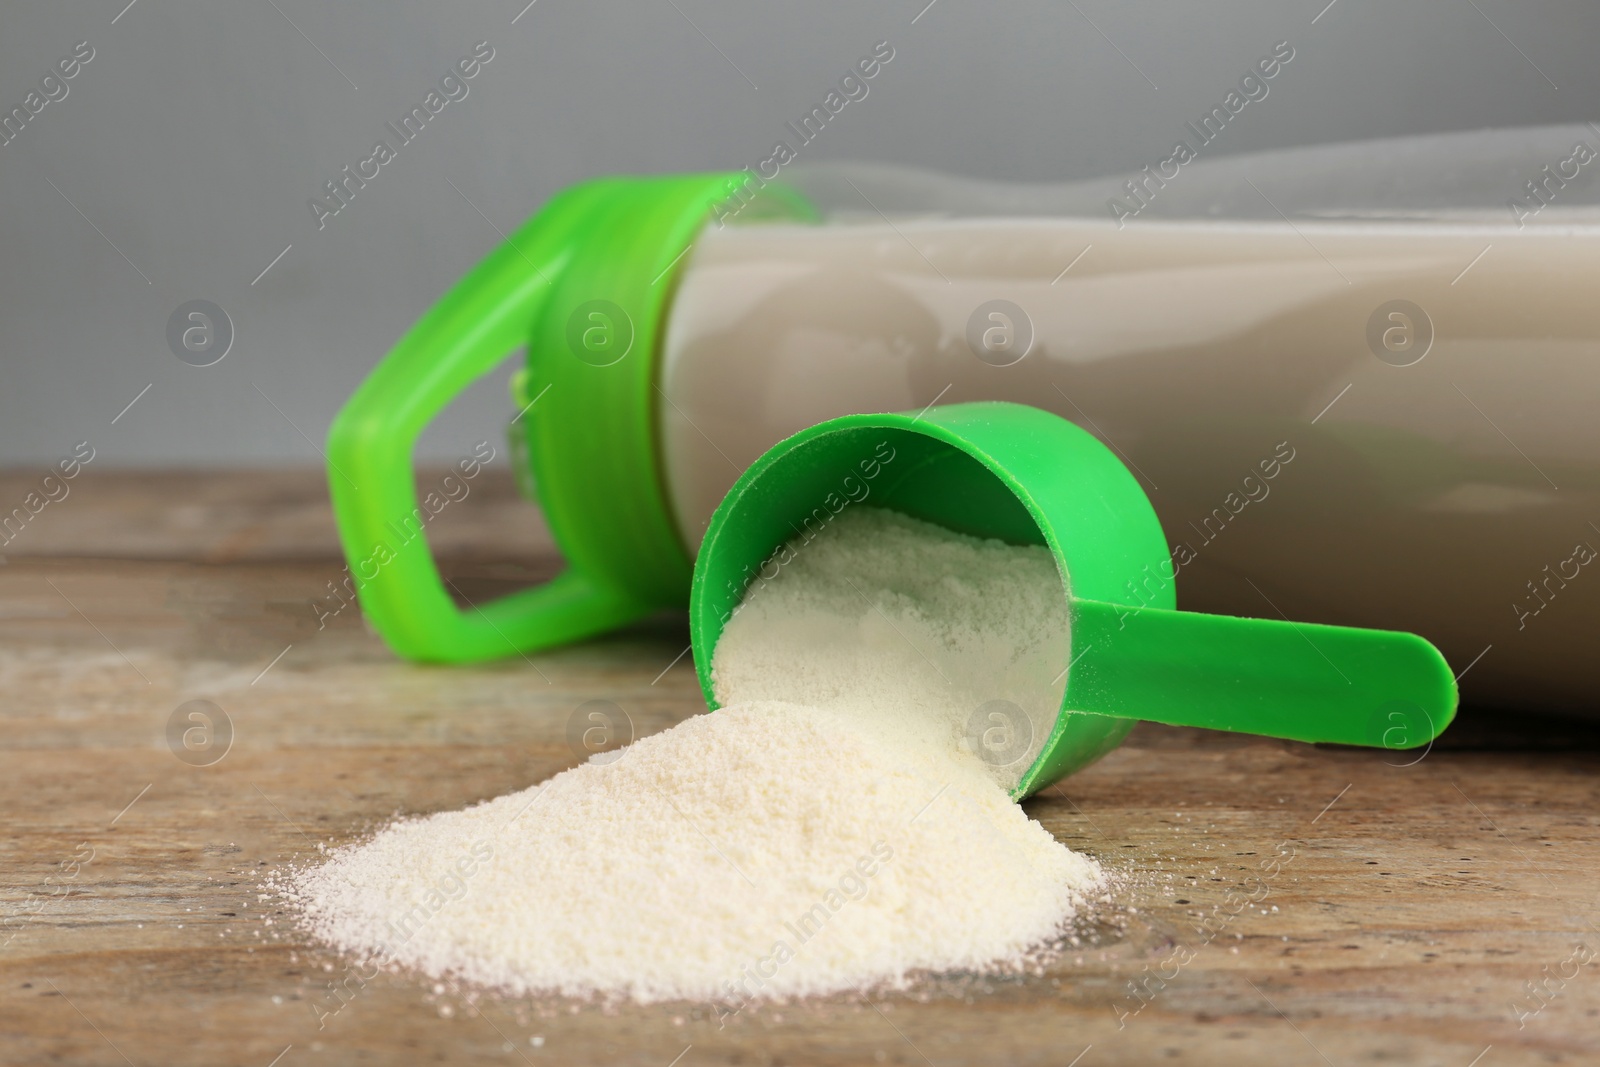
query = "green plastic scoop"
x=1026 y=476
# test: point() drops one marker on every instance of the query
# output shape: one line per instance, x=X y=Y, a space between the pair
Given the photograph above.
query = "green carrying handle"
x=1026 y=476
x=1297 y=681
x=585 y=283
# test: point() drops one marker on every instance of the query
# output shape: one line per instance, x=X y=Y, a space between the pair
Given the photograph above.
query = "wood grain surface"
x=1275 y=903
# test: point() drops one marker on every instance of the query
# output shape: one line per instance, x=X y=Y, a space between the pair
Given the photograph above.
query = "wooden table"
x=1277 y=903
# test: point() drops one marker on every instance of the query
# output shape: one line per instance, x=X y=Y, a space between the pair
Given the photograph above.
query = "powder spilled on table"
x=831 y=829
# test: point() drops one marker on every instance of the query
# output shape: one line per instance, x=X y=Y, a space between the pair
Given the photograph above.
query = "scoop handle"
x=1298 y=681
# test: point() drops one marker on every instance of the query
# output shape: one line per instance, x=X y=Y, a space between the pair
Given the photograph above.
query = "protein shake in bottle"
x=1354 y=380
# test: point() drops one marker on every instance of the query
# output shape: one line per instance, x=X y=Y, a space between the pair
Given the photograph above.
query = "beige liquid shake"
x=1368 y=423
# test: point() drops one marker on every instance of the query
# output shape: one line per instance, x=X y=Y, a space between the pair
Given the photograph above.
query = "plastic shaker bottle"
x=1353 y=380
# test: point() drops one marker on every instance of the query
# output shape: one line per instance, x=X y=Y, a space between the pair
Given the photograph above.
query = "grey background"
x=194 y=138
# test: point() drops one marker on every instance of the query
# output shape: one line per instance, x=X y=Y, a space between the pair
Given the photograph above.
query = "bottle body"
x=1360 y=406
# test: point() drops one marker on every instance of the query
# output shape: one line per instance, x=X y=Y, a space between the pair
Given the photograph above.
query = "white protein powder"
x=838 y=839
x=912 y=631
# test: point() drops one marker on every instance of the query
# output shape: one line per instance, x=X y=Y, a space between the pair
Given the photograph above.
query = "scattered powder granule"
x=828 y=830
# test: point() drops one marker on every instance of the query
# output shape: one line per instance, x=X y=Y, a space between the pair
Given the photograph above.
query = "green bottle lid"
x=586 y=284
